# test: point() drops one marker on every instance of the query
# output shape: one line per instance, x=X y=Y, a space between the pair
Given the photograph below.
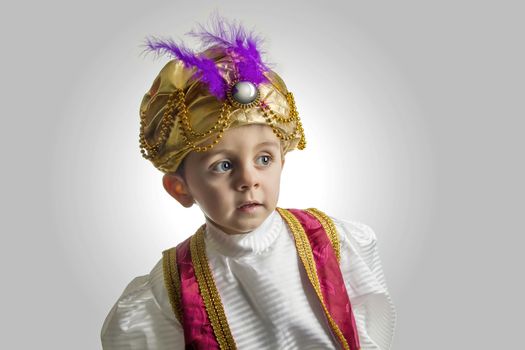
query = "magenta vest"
x=196 y=301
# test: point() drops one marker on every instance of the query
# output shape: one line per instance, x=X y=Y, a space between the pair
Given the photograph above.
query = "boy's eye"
x=222 y=167
x=264 y=160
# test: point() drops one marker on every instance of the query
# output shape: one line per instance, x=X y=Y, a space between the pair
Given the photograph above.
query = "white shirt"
x=267 y=298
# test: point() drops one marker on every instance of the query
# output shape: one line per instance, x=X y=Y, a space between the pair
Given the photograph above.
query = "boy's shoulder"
x=348 y=230
x=354 y=230
x=147 y=289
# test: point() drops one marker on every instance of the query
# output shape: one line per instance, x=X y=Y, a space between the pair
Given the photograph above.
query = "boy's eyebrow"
x=269 y=143
x=210 y=154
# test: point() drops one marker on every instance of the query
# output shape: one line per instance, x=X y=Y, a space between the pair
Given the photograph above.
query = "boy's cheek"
x=212 y=197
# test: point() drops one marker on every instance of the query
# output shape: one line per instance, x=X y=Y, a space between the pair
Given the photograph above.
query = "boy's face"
x=236 y=183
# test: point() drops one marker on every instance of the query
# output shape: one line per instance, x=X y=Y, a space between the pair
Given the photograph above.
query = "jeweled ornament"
x=244 y=92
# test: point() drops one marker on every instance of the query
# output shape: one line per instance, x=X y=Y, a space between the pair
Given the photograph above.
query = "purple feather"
x=207 y=70
x=241 y=44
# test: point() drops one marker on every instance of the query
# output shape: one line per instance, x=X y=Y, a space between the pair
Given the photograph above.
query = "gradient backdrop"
x=413 y=114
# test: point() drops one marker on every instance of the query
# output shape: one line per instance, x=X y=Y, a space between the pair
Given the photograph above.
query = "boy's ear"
x=175 y=185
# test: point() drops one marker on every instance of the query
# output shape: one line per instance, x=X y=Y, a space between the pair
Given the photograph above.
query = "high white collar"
x=253 y=242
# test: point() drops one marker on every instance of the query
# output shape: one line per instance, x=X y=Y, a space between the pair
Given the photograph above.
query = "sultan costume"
x=301 y=280
x=268 y=300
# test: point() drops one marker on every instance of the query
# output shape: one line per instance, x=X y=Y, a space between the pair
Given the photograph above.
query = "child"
x=254 y=276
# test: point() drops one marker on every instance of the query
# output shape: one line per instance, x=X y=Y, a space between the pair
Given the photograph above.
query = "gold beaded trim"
x=167 y=122
x=172 y=280
x=329 y=227
x=304 y=249
x=176 y=102
x=209 y=292
x=272 y=118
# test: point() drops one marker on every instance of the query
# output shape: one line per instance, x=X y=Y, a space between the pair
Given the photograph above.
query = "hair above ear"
x=176 y=186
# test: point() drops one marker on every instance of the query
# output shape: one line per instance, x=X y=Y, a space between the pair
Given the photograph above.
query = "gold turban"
x=180 y=115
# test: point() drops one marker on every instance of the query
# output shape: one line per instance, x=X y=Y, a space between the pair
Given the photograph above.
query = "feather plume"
x=243 y=45
x=207 y=71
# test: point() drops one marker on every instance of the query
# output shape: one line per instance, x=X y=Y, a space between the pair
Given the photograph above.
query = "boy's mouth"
x=248 y=205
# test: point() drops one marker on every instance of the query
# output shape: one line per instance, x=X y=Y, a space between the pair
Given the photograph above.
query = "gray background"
x=413 y=115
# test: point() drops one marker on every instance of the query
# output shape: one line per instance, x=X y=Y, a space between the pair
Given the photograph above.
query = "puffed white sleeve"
x=374 y=311
x=142 y=318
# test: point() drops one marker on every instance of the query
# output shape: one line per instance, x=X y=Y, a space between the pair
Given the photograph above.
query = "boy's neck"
x=253 y=242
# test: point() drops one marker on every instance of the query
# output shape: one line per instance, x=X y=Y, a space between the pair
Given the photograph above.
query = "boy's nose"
x=247 y=178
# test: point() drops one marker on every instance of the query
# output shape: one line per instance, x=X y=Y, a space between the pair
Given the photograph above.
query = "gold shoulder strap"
x=172 y=280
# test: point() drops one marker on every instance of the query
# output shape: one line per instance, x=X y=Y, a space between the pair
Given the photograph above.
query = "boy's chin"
x=241 y=222
x=240 y=229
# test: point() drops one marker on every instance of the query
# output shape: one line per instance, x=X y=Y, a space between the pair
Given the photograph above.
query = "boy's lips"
x=248 y=204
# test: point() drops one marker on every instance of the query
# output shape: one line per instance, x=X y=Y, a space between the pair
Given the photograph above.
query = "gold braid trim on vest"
x=329 y=228
x=209 y=292
x=304 y=250
x=172 y=280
